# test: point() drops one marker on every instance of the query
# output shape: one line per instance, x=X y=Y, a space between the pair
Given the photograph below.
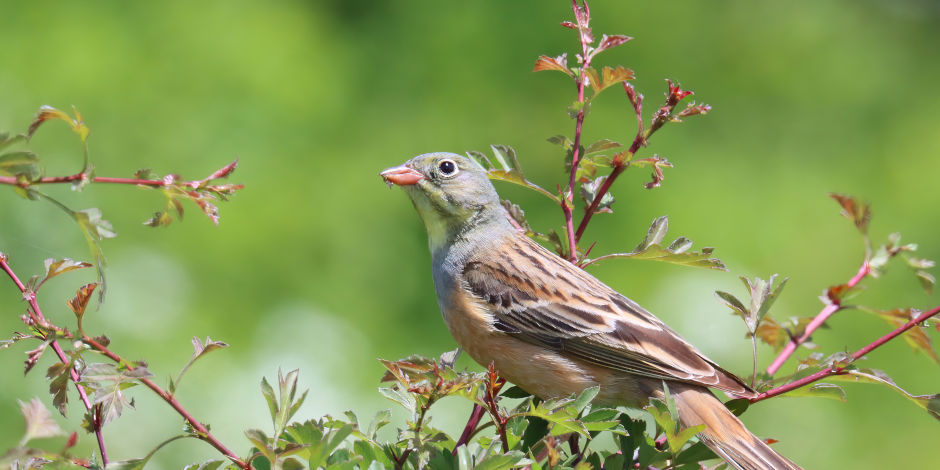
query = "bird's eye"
x=448 y=168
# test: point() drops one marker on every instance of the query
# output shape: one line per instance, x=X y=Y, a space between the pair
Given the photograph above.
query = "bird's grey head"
x=451 y=192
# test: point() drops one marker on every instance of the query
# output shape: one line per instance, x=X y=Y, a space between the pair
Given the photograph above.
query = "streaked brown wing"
x=542 y=299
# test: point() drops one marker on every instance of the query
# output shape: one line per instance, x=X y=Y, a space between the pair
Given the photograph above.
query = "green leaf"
x=601 y=145
x=58 y=386
x=563 y=141
x=504 y=171
x=22 y=164
x=915 y=337
x=589 y=192
x=584 y=399
x=403 y=398
x=822 y=390
x=209 y=465
x=515 y=392
x=7 y=140
x=930 y=403
x=655 y=234
x=651 y=248
x=677 y=441
x=511 y=459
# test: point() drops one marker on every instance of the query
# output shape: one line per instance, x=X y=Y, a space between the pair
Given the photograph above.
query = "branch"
x=567 y=201
x=841 y=369
x=36 y=316
x=834 y=306
x=221 y=173
x=201 y=430
x=475 y=416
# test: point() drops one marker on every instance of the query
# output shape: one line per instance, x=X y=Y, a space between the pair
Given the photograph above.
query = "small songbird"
x=550 y=327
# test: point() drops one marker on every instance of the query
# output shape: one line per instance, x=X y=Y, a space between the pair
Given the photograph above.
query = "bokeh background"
x=317 y=266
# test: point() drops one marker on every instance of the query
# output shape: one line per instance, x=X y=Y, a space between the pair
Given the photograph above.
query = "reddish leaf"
x=80 y=301
x=46 y=113
x=915 y=337
x=608 y=42
x=559 y=63
x=858 y=212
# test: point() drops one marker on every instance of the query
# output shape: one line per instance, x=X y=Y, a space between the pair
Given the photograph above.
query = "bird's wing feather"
x=542 y=299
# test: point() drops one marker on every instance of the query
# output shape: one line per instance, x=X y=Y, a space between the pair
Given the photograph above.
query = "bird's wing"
x=542 y=299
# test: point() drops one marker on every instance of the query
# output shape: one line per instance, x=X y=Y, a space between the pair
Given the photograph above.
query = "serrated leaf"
x=930 y=403
x=39 y=423
x=59 y=373
x=853 y=209
x=677 y=441
x=915 y=337
x=601 y=145
x=611 y=41
x=403 y=398
x=613 y=76
x=6 y=139
x=79 y=303
x=208 y=465
x=563 y=141
x=584 y=398
x=511 y=459
x=560 y=64
x=509 y=172
x=589 y=191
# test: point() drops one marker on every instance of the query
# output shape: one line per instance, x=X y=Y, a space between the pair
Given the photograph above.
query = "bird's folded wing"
x=539 y=298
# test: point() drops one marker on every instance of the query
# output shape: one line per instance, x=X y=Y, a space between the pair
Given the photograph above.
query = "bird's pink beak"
x=401 y=175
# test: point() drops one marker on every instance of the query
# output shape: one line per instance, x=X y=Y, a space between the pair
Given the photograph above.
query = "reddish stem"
x=840 y=370
x=36 y=315
x=567 y=203
x=475 y=416
x=221 y=173
x=818 y=321
x=202 y=432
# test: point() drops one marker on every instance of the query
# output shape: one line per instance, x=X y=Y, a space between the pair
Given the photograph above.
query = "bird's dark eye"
x=448 y=168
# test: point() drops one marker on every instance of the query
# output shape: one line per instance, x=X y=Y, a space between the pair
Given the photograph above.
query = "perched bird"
x=550 y=327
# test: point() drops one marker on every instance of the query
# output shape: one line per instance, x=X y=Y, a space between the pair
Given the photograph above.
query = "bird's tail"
x=724 y=433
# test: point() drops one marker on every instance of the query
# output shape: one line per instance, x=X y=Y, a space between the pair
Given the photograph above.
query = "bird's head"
x=451 y=193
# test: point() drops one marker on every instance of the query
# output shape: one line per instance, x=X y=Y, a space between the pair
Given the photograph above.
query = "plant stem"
x=567 y=203
x=475 y=416
x=841 y=369
x=818 y=321
x=36 y=315
x=202 y=432
x=224 y=171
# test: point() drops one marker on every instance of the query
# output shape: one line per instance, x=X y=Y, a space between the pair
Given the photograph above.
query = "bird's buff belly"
x=536 y=370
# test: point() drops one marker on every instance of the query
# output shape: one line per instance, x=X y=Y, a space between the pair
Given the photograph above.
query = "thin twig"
x=567 y=201
x=201 y=431
x=834 y=306
x=841 y=369
x=36 y=315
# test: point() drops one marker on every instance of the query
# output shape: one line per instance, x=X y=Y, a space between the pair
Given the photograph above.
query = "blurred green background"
x=317 y=266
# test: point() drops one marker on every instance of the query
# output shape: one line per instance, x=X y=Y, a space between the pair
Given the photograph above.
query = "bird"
x=550 y=327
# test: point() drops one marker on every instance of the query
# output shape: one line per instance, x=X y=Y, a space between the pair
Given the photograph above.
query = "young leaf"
x=55 y=267
x=930 y=403
x=559 y=64
x=39 y=422
x=915 y=337
x=858 y=212
x=200 y=349
x=22 y=164
x=589 y=191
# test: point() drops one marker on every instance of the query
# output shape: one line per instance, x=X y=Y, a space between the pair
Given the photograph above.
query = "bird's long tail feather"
x=724 y=433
